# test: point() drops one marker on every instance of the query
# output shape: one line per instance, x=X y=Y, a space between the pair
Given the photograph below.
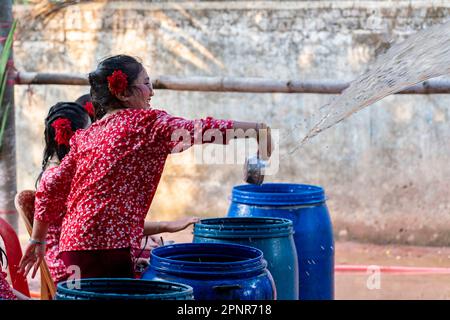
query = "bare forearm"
x=151 y=227
x=245 y=125
x=259 y=131
x=39 y=230
x=249 y=128
x=168 y=226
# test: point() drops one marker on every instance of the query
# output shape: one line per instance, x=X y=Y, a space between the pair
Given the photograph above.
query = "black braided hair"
x=102 y=99
x=3 y=253
x=79 y=119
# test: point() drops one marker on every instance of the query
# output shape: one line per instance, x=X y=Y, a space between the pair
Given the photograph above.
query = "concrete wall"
x=385 y=169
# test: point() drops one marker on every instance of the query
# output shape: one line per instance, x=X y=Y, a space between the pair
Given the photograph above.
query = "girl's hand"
x=181 y=224
x=32 y=258
x=264 y=139
x=154 y=242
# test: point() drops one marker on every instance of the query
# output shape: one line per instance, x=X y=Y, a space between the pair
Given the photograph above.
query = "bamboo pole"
x=230 y=84
x=8 y=184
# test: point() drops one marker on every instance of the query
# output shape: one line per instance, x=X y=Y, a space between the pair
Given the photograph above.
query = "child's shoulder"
x=144 y=114
x=49 y=173
x=148 y=112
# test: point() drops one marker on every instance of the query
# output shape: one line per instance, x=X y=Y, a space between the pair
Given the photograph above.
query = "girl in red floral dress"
x=108 y=179
x=62 y=121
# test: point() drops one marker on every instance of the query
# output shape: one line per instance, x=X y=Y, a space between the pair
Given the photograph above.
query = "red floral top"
x=5 y=290
x=55 y=265
x=109 y=177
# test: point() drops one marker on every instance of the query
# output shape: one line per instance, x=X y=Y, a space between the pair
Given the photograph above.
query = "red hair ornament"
x=63 y=131
x=89 y=107
x=117 y=82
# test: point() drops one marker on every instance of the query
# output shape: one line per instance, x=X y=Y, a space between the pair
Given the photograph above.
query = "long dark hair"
x=102 y=98
x=79 y=119
x=3 y=253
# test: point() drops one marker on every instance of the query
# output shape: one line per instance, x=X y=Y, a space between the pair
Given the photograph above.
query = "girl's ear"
x=124 y=96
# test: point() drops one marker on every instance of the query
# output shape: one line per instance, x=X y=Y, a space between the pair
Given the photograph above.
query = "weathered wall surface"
x=386 y=169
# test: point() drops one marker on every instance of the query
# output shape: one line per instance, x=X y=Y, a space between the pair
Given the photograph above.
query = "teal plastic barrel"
x=273 y=236
x=122 y=289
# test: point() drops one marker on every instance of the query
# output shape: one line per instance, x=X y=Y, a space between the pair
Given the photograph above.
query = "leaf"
x=3 y=125
x=4 y=56
x=7 y=50
x=2 y=88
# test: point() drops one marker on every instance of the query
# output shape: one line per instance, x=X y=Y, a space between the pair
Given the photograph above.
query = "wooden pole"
x=8 y=185
x=230 y=84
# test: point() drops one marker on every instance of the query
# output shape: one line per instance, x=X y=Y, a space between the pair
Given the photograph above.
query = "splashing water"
x=422 y=56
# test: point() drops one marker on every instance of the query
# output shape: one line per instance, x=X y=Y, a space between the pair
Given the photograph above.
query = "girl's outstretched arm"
x=259 y=131
x=179 y=134
x=151 y=227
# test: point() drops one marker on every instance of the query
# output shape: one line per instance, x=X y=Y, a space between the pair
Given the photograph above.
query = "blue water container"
x=122 y=289
x=215 y=271
x=273 y=236
x=305 y=206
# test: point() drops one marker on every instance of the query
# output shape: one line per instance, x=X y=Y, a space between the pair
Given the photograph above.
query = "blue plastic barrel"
x=215 y=271
x=305 y=206
x=273 y=236
x=122 y=289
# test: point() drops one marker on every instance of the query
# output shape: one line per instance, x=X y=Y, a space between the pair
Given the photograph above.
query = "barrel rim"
x=186 y=290
x=267 y=227
x=235 y=268
x=291 y=194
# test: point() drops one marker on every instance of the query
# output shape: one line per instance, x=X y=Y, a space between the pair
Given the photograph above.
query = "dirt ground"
x=355 y=286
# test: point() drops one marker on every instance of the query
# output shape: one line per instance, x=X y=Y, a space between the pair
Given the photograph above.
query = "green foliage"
x=4 y=56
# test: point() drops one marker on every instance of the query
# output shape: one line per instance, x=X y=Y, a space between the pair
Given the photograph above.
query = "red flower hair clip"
x=89 y=107
x=63 y=131
x=117 y=82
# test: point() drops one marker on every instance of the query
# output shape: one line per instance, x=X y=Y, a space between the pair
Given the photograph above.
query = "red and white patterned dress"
x=6 y=292
x=109 y=177
x=56 y=266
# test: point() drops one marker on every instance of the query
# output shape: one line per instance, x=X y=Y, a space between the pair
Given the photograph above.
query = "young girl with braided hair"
x=61 y=123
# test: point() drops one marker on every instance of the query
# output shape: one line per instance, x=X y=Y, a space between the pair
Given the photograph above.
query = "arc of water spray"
x=421 y=56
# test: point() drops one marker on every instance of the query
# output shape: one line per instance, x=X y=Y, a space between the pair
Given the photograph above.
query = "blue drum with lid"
x=305 y=206
x=215 y=271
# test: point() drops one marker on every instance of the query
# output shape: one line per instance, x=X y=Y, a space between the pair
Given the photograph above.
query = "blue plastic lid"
x=278 y=194
x=208 y=259
x=243 y=227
